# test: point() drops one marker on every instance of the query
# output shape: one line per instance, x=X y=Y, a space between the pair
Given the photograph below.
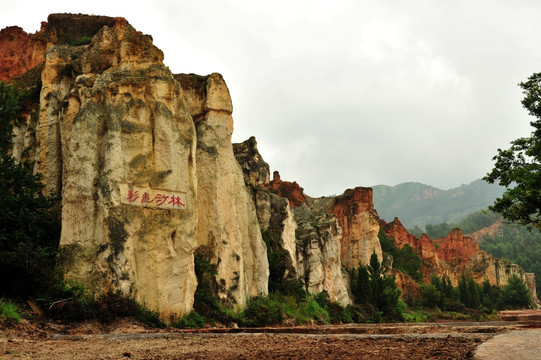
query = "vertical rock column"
x=359 y=221
x=227 y=226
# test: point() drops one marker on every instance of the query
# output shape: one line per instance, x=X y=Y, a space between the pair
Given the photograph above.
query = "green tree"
x=519 y=167
x=474 y=300
x=487 y=297
x=409 y=262
x=385 y=293
x=29 y=230
x=430 y=296
x=440 y=286
x=371 y=285
x=8 y=110
x=515 y=294
x=405 y=259
x=438 y=230
x=360 y=285
x=463 y=291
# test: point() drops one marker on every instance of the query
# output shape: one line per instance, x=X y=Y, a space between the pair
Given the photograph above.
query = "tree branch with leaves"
x=519 y=167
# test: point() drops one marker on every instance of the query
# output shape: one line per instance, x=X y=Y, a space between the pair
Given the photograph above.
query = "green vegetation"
x=469 y=297
x=276 y=257
x=83 y=40
x=404 y=259
x=469 y=224
x=515 y=294
x=9 y=315
x=371 y=286
x=29 y=226
x=518 y=245
x=69 y=301
x=519 y=167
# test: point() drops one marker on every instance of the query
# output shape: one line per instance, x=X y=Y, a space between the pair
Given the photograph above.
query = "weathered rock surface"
x=456 y=249
x=456 y=254
x=256 y=174
x=289 y=190
x=318 y=251
x=19 y=51
x=359 y=222
x=302 y=230
x=227 y=222
x=145 y=166
x=116 y=141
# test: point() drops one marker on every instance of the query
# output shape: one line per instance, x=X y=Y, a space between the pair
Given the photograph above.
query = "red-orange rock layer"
x=456 y=248
x=19 y=51
x=289 y=190
x=355 y=212
x=424 y=247
x=352 y=202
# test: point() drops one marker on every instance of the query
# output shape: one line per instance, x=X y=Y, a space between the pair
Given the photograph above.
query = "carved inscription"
x=154 y=198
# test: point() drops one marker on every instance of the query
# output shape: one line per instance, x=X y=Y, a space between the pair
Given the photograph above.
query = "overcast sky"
x=350 y=93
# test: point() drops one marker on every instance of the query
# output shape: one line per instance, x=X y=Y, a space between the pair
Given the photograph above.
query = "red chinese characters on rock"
x=161 y=199
x=133 y=195
x=146 y=198
x=158 y=200
x=175 y=201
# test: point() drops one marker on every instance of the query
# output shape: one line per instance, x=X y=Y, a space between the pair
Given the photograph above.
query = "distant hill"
x=419 y=204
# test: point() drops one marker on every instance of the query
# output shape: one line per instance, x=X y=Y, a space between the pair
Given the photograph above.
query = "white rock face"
x=324 y=265
x=319 y=251
x=141 y=188
x=127 y=125
x=227 y=222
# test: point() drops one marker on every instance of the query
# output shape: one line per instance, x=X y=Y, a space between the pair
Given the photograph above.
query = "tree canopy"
x=519 y=167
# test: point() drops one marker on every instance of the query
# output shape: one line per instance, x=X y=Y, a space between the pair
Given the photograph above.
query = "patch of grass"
x=416 y=316
x=262 y=311
x=312 y=311
x=9 y=313
x=192 y=320
x=449 y=315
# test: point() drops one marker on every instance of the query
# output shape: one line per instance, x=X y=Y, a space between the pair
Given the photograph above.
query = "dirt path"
x=374 y=341
x=515 y=345
x=249 y=346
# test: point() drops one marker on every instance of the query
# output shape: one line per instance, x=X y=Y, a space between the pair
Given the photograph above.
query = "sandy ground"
x=129 y=340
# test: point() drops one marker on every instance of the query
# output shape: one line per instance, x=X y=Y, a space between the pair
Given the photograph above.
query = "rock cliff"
x=145 y=168
x=359 y=221
x=326 y=235
x=454 y=254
